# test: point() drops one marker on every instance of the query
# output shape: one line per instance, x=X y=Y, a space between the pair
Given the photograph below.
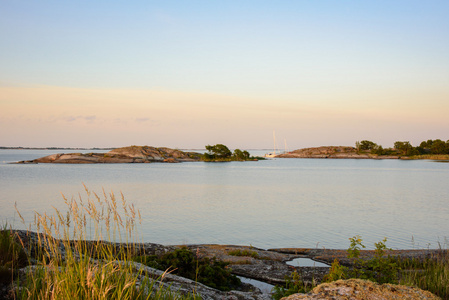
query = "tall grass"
x=431 y=273
x=78 y=257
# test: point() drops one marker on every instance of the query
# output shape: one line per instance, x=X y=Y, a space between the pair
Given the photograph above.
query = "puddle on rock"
x=305 y=262
x=263 y=286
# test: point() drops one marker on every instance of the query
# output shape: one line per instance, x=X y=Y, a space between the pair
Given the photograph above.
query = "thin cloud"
x=141 y=120
x=89 y=119
x=70 y=119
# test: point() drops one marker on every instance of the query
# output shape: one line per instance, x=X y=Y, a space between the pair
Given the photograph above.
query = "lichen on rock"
x=357 y=289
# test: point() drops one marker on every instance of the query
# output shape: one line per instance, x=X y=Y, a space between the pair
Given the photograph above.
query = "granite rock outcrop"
x=263 y=265
x=131 y=154
x=332 y=152
x=357 y=289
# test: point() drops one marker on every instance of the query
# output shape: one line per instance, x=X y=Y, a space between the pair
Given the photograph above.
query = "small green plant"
x=380 y=269
x=358 y=269
x=240 y=252
x=336 y=272
x=383 y=269
x=355 y=247
x=293 y=285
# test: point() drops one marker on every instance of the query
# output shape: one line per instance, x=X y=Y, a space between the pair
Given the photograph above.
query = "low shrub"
x=336 y=272
x=379 y=269
x=239 y=252
x=185 y=263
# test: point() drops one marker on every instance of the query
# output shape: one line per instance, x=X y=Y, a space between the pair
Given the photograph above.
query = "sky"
x=186 y=74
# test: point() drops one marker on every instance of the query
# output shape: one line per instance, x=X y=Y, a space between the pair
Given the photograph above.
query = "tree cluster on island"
x=405 y=148
x=220 y=152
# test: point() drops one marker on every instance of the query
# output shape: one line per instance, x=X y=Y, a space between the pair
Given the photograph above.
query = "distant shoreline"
x=51 y=148
x=95 y=148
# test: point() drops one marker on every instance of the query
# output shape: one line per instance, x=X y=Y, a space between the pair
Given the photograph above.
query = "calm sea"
x=272 y=203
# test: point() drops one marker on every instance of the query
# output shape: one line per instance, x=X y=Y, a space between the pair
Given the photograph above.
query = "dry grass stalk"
x=74 y=261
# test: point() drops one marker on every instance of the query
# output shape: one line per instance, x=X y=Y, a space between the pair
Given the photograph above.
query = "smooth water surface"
x=264 y=287
x=268 y=204
x=305 y=262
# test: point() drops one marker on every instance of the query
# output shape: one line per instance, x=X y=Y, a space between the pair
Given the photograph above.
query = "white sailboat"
x=272 y=154
x=285 y=147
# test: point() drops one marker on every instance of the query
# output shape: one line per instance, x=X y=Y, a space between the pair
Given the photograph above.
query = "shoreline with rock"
x=334 y=152
x=264 y=265
x=131 y=154
x=149 y=154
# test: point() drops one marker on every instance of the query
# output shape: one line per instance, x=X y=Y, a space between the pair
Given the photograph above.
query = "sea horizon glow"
x=178 y=74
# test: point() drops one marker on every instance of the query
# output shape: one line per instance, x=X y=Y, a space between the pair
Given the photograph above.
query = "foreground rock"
x=332 y=152
x=268 y=266
x=132 y=154
x=186 y=286
x=356 y=289
x=259 y=264
x=177 y=284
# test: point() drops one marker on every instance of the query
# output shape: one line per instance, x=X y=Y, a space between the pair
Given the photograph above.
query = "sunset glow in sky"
x=189 y=73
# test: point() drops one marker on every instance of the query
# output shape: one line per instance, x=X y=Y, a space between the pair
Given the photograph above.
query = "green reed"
x=430 y=273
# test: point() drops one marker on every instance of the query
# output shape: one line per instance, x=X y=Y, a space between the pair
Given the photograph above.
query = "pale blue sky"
x=317 y=72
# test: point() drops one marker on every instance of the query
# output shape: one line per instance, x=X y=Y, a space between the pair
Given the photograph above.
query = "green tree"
x=218 y=151
x=422 y=150
x=426 y=144
x=379 y=150
x=365 y=145
x=240 y=155
x=404 y=147
x=438 y=147
x=434 y=147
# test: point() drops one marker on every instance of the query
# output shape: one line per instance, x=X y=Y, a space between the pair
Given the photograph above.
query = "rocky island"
x=334 y=152
x=147 y=154
x=430 y=149
x=131 y=154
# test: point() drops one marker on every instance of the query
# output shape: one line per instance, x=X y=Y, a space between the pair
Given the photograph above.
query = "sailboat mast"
x=274 y=143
